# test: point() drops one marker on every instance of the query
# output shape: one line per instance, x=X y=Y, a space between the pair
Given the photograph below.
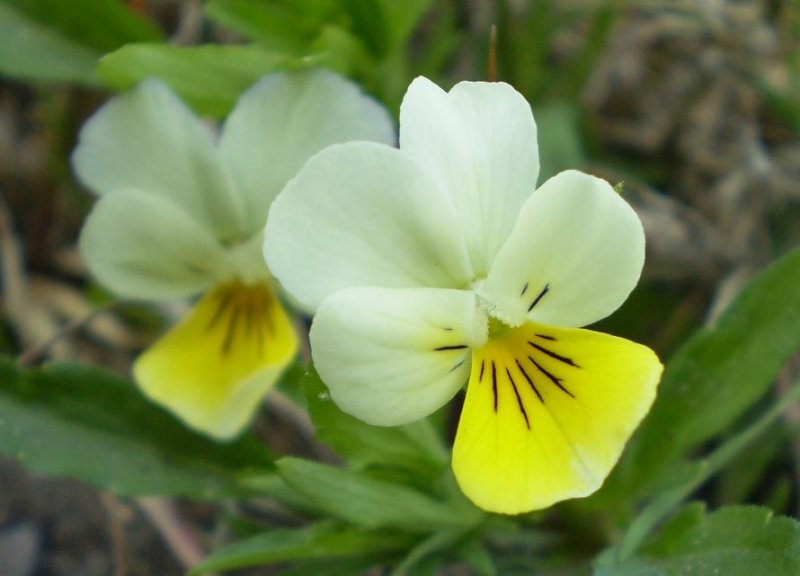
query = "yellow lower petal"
x=547 y=414
x=213 y=368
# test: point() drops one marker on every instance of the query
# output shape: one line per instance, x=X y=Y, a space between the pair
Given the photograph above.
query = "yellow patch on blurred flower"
x=181 y=212
x=441 y=263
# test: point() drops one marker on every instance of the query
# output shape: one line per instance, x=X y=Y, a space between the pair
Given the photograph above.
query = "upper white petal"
x=394 y=356
x=479 y=143
x=149 y=140
x=362 y=214
x=575 y=254
x=283 y=120
x=143 y=246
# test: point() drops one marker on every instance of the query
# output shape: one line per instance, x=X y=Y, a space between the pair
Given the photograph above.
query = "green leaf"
x=343 y=51
x=368 y=22
x=356 y=566
x=31 y=51
x=321 y=541
x=744 y=478
x=209 y=77
x=368 y=502
x=87 y=423
x=416 y=447
x=431 y=548
x=402 y=18
x=283 y=26
x=734 y=541
x=688 y=477
x=476 y=557
x=713 y=379
x=53 y=40
x=102 y=25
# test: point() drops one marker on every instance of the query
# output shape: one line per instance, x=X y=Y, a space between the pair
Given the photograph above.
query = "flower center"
x=497 y=328
x=521 y=366
x=241 y=313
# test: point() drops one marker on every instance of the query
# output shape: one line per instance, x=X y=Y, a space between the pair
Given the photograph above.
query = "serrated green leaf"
x=321 y=541
x=713 y=379
x=415 y=447
x=87 y=423
x=368 y=502
x=734 y=541
x=209 y=77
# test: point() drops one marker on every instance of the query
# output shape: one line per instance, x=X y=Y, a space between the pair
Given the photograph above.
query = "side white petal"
x=144 y=247
x=575 y=255
x=362 y=214
x=286 y=118
x=149 y=140
x=479 y=143
x=391 y=357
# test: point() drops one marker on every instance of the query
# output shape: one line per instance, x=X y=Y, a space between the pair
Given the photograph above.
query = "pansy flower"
x=441 y=264
x=181 y=213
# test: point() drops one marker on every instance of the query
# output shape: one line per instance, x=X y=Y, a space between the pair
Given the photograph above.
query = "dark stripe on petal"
x=494 y=384
x=538 y=298
x=530 y=381
x=553 y=355
x=452 y=347
x=458 y=364
x=554 y=379
x=519 y=399
x=220 y=311
x=230 y=333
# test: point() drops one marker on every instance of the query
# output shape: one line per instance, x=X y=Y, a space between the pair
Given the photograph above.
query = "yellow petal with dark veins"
x=547 y=414
x=213 y=368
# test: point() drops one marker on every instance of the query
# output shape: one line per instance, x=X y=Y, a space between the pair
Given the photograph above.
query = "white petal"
x=479 y=143
x=149 y=140
x=393 y=356
x=283 y=120
x=362 y=214
x=143 y=246
x=575 y=255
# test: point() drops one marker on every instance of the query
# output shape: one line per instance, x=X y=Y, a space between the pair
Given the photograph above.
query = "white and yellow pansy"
x=440 y=264
x=181 y=213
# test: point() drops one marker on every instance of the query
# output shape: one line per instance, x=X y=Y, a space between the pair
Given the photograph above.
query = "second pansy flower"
x=181 y=213
x=438 y=264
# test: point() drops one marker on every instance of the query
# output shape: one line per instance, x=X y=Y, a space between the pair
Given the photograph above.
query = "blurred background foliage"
x=694 y=105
